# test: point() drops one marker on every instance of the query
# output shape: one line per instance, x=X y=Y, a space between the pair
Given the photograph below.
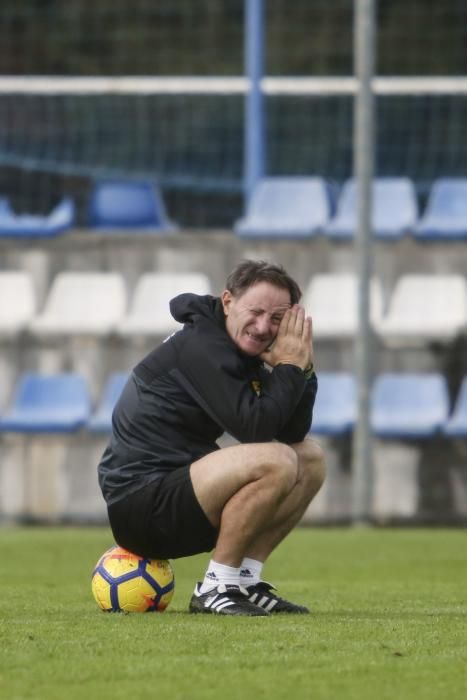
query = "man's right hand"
x=292 y=344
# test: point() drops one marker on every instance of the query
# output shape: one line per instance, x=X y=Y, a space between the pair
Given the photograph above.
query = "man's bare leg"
x=256 y=494
x=272 y=485
x=241 y=489
x=310 y=478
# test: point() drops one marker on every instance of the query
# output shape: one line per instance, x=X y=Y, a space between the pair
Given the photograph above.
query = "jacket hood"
x=186 y=307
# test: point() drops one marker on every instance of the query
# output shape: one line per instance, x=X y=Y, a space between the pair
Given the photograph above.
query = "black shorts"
x=163 y=520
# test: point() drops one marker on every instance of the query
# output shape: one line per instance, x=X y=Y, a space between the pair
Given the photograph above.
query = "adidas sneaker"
x=263 y=595
x=224 y=600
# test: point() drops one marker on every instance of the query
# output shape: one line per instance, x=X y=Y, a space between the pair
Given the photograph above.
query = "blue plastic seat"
x=335 y=409
x=128 y=205
x=394 y=209
x=61 y=218
x=58 y=403
x=409 y=406
x=457 y=424
x=286 y=207
x=101 y=420
x=445 y=216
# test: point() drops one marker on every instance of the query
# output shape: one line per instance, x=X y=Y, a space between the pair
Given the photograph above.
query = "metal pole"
x=364 y=39
x=254 y=111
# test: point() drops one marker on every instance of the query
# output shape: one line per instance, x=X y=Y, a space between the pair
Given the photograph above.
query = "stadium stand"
x=128 y=205
x=149 y=312
x=395 y=209
x=424 y=309
x=286 y=207
x=332 y=301
x=445 y=216
x=456 y=426
x=60 y=219
x=101 y=420
x=137 y=124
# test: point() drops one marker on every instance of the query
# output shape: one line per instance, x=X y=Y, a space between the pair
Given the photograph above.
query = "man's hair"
x=250 y=272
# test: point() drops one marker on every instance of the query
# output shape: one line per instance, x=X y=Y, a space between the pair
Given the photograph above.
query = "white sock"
x=250 y=572
x=220 y=573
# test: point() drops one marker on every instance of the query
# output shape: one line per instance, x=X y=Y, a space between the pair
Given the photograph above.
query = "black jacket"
x=190 y=390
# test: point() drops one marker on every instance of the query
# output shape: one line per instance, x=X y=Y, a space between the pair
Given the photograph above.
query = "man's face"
x=252 y=319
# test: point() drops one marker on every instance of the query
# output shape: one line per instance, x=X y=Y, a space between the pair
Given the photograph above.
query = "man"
x=171 y=491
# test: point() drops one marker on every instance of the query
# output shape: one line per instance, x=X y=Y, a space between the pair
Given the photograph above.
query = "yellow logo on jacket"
x=256 y=386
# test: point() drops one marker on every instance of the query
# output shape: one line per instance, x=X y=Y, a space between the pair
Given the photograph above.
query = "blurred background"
x=147 y=147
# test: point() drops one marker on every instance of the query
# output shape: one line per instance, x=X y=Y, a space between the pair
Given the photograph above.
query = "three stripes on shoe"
x=218 y=601
x=264 y=602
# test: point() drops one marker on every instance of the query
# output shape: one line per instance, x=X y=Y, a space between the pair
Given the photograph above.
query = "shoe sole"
x=206 y=611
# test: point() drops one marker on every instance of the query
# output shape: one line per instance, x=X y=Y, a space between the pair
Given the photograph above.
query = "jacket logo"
x=256 y=386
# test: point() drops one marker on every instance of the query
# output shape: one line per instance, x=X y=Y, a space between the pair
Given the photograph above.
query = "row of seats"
x=421 y=308
x=302 y=207
x=112 y=205
x=60 y=403
x=94 y=303
x=280 y=207
x=403 y=406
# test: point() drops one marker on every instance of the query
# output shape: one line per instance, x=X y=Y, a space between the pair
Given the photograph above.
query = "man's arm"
x=299 y=424
x=215 y=378
x=293 y=346
x=213 y=372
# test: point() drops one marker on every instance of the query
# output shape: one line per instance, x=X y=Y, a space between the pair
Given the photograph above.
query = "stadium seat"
x=17 y=302
x=101 y=419
x=61 y=218
x=149 y=312
x=128 y=205
x=286 y=207
x=445 y=216
x=409 y=406
x=82 y=303
x=41 y=403
x=394 y=209
x=335 y=408
x=425 y=308
x=331 y=299
x=456 y=426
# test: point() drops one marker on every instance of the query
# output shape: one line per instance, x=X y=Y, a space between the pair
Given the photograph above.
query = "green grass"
x=389 y=621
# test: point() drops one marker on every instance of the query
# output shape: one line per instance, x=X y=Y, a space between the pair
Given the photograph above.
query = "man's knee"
x=280 y=464
x=312 y=464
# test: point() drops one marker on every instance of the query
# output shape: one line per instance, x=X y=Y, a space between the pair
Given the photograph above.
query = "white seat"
x=82 y=303
x=425 y=308
x=332 y=302
x=17 y=302
x=149 y=312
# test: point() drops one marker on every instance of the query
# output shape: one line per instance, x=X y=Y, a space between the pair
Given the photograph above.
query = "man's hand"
x=293 y=344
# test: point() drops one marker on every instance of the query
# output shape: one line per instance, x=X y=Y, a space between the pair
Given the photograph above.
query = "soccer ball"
x=125 y=582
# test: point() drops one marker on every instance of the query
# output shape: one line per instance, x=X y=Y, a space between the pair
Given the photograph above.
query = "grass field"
x=389 y=621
